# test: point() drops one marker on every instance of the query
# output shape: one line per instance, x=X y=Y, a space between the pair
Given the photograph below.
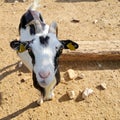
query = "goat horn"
x=54 y=28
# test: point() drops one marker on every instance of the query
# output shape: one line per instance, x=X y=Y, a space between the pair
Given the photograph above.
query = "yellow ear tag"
x=22 y=48
x=70 y=46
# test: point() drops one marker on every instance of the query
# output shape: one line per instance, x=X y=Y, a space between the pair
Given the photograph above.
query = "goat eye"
x=56 y=48
x=59 y=51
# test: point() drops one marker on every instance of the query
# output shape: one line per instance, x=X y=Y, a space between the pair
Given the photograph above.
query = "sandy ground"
x=97 y=21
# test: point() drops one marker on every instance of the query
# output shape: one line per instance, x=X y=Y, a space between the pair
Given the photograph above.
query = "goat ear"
x=69 y=44
x=54 y=28
x=15 y=44
x=19 y=46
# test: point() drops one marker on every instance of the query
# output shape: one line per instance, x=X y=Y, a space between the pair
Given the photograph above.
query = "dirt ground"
x=96 y=20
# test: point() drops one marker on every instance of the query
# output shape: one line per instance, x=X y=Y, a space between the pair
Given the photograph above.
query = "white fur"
x=26 y=36
x=44 y=58
x=34 y=5
x=49 y=90
x=49 y=93
x=26 y=59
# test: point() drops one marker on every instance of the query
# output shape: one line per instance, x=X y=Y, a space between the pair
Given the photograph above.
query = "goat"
x=39 y=49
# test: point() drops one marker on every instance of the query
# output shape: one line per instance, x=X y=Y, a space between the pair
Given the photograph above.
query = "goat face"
x=44 y=51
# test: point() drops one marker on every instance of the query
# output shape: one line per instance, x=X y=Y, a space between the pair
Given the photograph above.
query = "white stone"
x=95 y=21
x=99 y=65
x=81 y=75
x=71 y=74
x=16 y=1
x=103 y=85
x=86 y=93
x=40 y=101
x=71 y=94
x=20 y=64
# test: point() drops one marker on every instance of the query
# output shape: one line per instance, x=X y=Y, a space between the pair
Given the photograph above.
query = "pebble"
x=22 y=80
x=103 y=86
x=71 y=74
x=86 y=93
x=95 y=21
x=99 y=65
x=20 y=64
x=71 y=94
x=75 y=21
x=20 y=74
x=81 y=76
x=16 y=1
x=39 y=101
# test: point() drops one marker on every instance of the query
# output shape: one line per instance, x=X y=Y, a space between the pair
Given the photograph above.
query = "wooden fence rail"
x=94 y=50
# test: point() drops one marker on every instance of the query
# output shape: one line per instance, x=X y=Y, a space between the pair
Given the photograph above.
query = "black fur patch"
x=40 y=16
x=56 y=59
x=59 y=52
x=32 y=56
x=57 y=76
x=32 y=30
x=25 y=19
x=44 y=40
x=56 y=62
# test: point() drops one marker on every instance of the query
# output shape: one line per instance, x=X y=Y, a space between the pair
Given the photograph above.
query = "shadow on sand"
x=89 y=65
x=15 y=114
x=11 y=69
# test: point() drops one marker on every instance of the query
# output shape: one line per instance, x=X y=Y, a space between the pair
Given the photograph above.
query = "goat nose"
x=44 y=75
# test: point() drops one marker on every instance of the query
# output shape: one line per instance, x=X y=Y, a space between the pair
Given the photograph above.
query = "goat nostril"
x=44 y=74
